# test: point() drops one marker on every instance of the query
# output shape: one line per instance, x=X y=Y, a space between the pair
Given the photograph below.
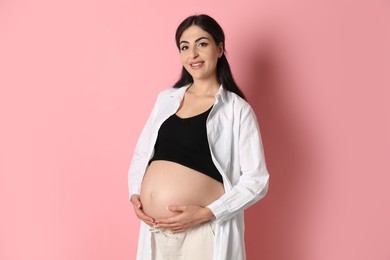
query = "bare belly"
x=167 y=183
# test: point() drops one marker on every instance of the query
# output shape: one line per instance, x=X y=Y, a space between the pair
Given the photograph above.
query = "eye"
x=183 y=48
x=203 y=44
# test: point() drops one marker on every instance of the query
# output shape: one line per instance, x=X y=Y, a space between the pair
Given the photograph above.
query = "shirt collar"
x=220 y=95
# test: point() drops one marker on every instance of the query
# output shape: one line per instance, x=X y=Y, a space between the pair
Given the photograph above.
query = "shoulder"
x=167 y=91
x=240 y=108
x=170 y=92
x=235 y=100
x=164 y=95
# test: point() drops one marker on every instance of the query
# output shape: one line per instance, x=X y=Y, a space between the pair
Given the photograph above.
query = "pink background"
x=78 y=80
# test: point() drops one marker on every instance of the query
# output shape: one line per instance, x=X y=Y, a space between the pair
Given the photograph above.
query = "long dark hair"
x=224 y=74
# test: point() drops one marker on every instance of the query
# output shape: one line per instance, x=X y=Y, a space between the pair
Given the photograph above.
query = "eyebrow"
x=201 y=38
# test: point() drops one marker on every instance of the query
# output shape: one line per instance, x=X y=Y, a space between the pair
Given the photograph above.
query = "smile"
x=196 y=65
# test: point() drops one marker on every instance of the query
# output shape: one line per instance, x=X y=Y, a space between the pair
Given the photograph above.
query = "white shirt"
x=237 y=152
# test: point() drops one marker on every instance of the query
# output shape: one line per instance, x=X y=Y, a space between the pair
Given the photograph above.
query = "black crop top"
x=184 y=141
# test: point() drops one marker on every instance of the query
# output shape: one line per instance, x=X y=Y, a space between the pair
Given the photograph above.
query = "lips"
x=196 y=64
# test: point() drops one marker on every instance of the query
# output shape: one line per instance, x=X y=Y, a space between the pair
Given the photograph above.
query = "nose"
x=194 y=52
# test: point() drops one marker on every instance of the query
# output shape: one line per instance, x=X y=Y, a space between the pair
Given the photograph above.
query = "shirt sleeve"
x=254 y=177
x=141 y=155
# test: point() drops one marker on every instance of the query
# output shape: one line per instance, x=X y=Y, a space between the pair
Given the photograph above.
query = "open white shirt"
x=237 y=152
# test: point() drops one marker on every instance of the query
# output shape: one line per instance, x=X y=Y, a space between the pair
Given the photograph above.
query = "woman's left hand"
x=188 y=217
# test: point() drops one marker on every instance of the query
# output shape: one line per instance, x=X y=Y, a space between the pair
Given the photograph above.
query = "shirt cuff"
x=219 y=209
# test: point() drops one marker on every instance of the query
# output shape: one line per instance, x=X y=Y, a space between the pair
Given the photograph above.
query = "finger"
x=179 y=229
x=137 y=203
x=149 y=223
x=171 y=226
x=142 y=216
x=165 y=226
x=145 y=217
x=167 y=221
x=137 y=206
x=176 y=208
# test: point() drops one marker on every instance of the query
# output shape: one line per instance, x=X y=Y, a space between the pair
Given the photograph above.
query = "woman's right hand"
x=136 y=201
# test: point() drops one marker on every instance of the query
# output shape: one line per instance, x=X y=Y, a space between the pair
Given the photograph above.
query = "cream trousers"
x=194 y=244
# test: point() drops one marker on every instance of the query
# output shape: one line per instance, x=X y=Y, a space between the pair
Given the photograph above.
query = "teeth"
x=196 y=64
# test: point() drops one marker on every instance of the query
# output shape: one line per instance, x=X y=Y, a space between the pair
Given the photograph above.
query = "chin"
x=198 y=76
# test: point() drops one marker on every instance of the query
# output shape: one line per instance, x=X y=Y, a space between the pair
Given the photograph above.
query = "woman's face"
x=199 y=53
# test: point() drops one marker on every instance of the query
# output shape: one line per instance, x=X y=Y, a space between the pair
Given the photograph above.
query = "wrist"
x=209 y=214
x=133 y=196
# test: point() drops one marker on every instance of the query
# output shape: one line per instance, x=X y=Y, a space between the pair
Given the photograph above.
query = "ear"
x=221 y=50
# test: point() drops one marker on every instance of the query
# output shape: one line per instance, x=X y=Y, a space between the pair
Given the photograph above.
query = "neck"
x=204 y=88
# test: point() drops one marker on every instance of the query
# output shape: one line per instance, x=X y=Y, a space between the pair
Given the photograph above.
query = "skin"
x=199 y=54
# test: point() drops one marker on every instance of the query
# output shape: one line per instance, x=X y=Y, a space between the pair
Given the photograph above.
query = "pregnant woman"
x=199 y=161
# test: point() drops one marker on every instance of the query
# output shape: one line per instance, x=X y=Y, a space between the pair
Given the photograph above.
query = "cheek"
x=183 y=58
x=214 y=59
x=213 y=55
